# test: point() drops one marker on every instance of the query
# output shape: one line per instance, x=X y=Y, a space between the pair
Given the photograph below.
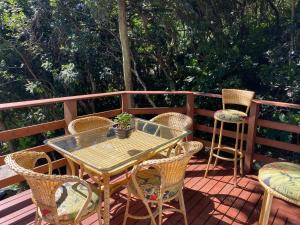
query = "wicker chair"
x=59 y=199
x=279 y=179
x=174 y=120
x=88 y=123
x=159 y=181
x=231 y=97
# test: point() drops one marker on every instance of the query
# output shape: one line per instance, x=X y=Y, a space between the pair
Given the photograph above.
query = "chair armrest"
x=43 y=155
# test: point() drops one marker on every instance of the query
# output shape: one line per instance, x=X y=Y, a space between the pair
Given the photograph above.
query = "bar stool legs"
x=237 y=150
x=219 y=143
x=212 y=147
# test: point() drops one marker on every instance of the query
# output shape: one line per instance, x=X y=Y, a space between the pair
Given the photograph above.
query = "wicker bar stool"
x=279 y=179
x=59 y=199
x=159 y=181
x=231 y=97
x=88 y=123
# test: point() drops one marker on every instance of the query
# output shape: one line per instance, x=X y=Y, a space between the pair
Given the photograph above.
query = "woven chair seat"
x=230 y=116
x=282 y=178
x=69 y=199
x=149 y=181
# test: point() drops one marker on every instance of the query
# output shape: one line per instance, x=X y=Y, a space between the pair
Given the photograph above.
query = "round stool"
x=282 y=180
x=231 y=97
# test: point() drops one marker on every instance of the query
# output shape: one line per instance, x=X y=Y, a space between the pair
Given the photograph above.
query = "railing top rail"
x=258 y=101
x=23 y=104
x=160 y=92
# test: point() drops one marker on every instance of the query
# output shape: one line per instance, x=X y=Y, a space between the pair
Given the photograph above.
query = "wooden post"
x=125 y=102
x=70 y=112
x=190 y=111
x=251 y=135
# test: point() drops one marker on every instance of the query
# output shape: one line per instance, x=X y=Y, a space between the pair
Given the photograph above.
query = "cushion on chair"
x=230 y=116
x=149 y=181
x=282 y=177
x=70 y=197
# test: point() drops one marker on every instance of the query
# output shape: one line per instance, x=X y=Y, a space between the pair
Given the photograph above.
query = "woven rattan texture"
x=44 y=186
x=237 y=97
x=174 y=120
x=88 y=123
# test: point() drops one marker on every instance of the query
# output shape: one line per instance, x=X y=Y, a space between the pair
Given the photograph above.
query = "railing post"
x=125 y=101
x=251 y=135
x=190 y=111
x=70 y=112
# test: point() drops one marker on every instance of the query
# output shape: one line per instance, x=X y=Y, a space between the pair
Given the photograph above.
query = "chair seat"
x=283 y=178
x=230 y=116
x=149 y=181
x=70 y=197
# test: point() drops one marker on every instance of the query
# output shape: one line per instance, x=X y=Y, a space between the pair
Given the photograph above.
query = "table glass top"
x=102 y=150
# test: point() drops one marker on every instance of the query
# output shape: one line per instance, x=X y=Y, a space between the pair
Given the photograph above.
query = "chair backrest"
x=174 y=120
x=237 y=97
x=88 y=123
x=171 y=170
x=43 y=186
x=190 y=147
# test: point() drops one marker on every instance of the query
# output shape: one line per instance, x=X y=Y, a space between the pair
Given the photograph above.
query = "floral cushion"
x=149 y=181
x=70 y=197
x=282 y=177
x=230 y=116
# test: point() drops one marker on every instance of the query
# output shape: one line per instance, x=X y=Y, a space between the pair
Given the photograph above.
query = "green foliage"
x=123 y=120
x=69 y=47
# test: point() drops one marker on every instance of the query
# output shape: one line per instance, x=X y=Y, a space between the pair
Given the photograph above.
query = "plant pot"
x=122 y=133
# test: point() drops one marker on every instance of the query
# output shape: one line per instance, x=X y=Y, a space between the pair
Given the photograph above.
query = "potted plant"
x=122 y=126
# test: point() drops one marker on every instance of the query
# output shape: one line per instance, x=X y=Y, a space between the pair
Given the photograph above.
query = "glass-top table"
x=101 y=152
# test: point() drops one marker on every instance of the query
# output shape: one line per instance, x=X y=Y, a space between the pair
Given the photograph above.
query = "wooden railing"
x=70 y=113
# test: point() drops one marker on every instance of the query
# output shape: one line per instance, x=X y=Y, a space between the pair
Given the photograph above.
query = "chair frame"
x=236 y=97
x=23 y=164
x=166 y=168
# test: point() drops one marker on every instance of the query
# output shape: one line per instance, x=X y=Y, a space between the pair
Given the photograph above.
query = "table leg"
x=70 y=167
x=106 y=200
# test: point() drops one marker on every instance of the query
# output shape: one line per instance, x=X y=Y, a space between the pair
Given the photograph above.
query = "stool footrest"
x=228 y=150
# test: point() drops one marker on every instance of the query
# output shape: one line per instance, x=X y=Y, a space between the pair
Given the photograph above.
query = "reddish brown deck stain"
x=209 y=201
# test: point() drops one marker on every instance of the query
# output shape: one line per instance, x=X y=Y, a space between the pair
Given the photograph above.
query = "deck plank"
x=209 y=201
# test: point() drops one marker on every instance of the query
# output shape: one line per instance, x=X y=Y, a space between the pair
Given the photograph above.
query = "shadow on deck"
x=211 y=201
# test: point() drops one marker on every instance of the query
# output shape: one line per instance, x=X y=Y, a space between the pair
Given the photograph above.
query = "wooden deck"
x=211 y=201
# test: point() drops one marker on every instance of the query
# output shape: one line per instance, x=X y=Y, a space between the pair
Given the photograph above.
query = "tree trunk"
x=125 y=48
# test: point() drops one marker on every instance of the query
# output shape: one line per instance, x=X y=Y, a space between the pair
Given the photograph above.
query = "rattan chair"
x=227 y=115
x=59 y=199
x=279 y=179
x=160 y=181
x=88 y=123
x=174 y=120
